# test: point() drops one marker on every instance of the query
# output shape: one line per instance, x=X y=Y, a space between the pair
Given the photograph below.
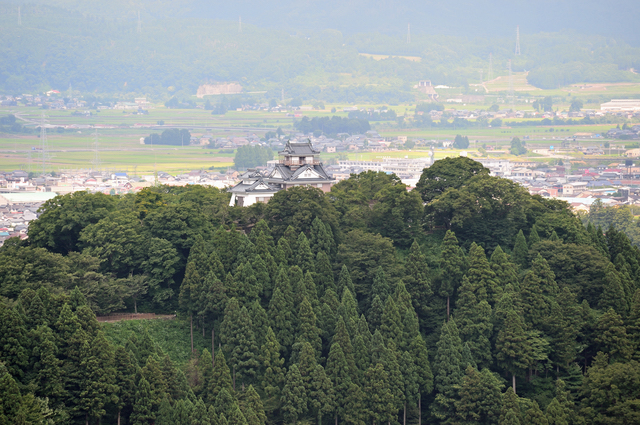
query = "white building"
x=498 y=167
x=621 y=105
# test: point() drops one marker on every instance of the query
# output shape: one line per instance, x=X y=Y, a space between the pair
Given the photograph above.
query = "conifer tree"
x=281 y=320
x=125 y=372
x=474 y=321
x=291 y=236
x=534 y=238
x=324 y=274
x=512 y=351
x=611 y=336
x=420 y=356
x=304 y=256
x=143 y=413
x=613 y=294
x=251 y=400
x=321 y=238
x=321 y=397
x=309 y=289
x=225 y=403
x=273 y=377
x=510 y=410
x=362 y=355
x=380 y=286
x=284 y=254
x=417 y=278
x=246 y=252
x=236 y=417
x=391 y=326
x=47 y=368
x=344 y=281
x=379 y=400
x=13 y=342
x=307 y=365
x=263 y=277
x=249 y=288
x=391 y=362
x=554 y=237
x=220 y=379
x=447 y=369
x=467 y=357
x=189 y=293
x=482 y=279
x=375 y=313
x=216 y=266
x=10 y=398
x=532 y=415
x=294 y=396
x=199 y=414
x=520 y=251
x=307 y=329
x=506 y=271
x=296 y=279
x=354 y=405
x=212 y=299
x=341 y=336
x=165 y=413
x=260 y=321
x=36 y=313
x=240 y=342
x=205 y=370
x=199 y=256
x=479 y=397
x=411 y=384
x=339 y=373
x=99 y=386
x=452 y=267
x=152 y=373
x=348 y=309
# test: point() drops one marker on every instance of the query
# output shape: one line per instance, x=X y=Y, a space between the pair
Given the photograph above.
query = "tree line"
x=466 y=300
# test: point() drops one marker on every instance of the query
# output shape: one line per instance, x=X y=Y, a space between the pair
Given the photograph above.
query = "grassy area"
x=172 y=336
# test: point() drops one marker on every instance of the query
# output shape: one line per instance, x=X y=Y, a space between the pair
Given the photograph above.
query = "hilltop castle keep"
x=298 y=166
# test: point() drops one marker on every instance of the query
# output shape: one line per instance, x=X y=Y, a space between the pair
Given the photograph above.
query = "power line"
x=518 y=40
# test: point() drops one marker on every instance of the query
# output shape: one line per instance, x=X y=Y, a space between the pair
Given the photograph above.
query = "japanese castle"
x=298 y=166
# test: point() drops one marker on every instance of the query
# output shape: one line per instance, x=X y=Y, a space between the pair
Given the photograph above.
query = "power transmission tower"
x=490 y=74
x=408 y=33
x=96 y=152
x=43 y=145
x=19 y=16
x=139 y=24
x=518 y=40
x=240 y=24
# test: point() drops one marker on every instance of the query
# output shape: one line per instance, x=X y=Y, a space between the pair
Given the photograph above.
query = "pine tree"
x=512 y=351
x=99 y=386
x=165 y=413
x=294 y=396
x=225 y=403
x=324 y=274
x=520 y=251
x=306 y=365
x=378 y=403
x=291 y=236
x=263 y=277
x=296 y=279
x=273 y=377
x=474 y=321
x=344 y=281
x=309 y=289
x=220 y=379
x=189 y=293
x=532 y=415
x=321 y=396
x=236 y=417
x=215 y=265
x=452 y=267
x=417 y=280
x=447 y=368
x=420 y=356
x=199 y=256
x=152 y=373
x=143 y=413
x=183 y=412
x=205 y=371
x=391 y=362
x=200 y=415
x=304 y=256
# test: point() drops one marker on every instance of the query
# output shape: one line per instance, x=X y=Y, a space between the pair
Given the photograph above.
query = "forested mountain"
x=467 y=300
x=91 y=50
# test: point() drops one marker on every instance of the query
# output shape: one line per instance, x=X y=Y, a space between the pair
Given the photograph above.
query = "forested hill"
x=69 y=45
x=466 y=300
